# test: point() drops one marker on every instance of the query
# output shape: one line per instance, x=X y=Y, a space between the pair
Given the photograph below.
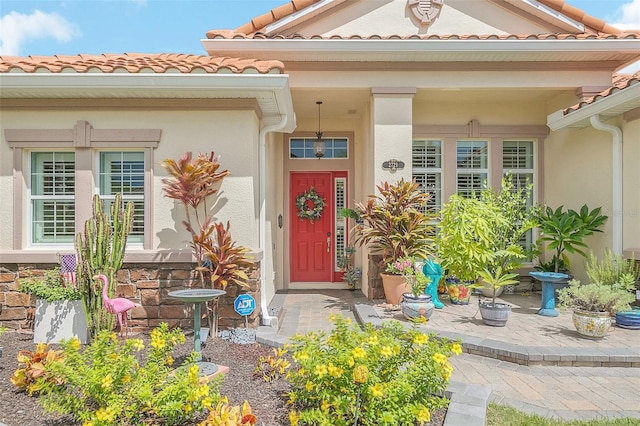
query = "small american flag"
x=68 y=268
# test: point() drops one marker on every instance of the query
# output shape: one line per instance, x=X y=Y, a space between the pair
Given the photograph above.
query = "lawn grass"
x=501 y=415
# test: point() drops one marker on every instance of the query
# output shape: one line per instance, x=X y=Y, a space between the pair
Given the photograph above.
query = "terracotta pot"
x=394 y=287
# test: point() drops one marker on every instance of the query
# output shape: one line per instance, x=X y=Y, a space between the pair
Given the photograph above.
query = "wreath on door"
x=310 y=205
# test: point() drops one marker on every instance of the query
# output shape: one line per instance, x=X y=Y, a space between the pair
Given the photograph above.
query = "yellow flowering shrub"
x=385 y=375
x=108 y=384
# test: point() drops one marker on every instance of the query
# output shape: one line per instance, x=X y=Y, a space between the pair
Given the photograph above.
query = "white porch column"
x=392 y=132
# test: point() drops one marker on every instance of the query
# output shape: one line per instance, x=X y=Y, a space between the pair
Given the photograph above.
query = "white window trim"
x=83 y=139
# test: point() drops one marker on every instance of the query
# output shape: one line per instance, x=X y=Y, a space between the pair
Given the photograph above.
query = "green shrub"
x=51 y=287
x=613 y=270
x=106 y=384
x=595 y=297
x=367 y=376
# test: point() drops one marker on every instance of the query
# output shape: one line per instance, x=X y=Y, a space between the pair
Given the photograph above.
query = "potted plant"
x=564 y=232
x=464 y=243
x=515 y=219
x=493 y=313
x=396 y=225
x=415 y=303
x=59 y=312
x=593 y=305
x=617 y=272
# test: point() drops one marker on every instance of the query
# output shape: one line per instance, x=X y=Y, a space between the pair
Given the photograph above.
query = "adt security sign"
x=244 y=304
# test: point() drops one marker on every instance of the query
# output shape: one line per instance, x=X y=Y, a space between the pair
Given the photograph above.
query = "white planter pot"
x=55 y=321
x=592 y=324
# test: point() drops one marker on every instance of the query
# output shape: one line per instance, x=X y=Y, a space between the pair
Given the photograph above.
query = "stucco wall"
x=365 y=17
x=231 y=134
x=578 y=170
x=631 y=188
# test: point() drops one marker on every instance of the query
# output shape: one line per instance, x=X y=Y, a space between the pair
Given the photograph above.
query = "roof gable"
x=345 y=18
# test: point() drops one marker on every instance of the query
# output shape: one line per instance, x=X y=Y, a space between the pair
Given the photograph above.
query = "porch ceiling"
x=345 y=104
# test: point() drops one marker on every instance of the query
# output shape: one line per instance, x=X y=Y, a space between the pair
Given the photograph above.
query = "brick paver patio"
x=536 y=364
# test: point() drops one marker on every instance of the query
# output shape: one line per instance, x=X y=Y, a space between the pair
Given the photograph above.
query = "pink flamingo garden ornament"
x=118 y=306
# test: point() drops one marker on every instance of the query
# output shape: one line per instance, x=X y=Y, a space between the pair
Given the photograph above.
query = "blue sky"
x=71 y=27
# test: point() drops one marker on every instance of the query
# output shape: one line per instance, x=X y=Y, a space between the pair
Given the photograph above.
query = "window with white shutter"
x=123 y=172
x=427 y=169
x=518 y=162
x=52 y=197
x=472 y=167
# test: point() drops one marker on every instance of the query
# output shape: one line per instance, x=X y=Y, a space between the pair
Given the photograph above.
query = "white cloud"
x=18 y=28
x=630 y=19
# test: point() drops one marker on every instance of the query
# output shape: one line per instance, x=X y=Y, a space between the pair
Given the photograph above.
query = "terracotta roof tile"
x=580 y=16
x=259 y=23
x=619 y=82
x=136 y=63
x=226 y=34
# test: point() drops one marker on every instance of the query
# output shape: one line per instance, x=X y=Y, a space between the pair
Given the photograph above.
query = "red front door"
x=312 y=243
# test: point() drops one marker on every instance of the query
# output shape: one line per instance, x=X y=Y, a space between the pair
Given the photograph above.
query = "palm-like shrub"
x=395 y=223
x=564 y=232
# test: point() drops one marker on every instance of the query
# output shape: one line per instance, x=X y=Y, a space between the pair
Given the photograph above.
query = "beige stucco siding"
x=578 y=170
x=631 y=188
x=231 y=134
x=364 y=18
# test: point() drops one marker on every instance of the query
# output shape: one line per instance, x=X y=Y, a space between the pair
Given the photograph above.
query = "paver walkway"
x=568 y=389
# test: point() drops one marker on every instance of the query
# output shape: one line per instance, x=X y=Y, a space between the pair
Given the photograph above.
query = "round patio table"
x=549 y=280
x=197 y=296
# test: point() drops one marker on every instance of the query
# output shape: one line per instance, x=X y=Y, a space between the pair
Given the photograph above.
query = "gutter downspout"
x=616 y=134
x=267 y=319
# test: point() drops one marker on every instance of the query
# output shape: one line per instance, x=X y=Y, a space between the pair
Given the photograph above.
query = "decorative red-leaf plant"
x=195 y=183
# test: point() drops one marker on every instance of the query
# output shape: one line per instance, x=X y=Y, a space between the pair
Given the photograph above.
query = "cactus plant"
x=101 y=251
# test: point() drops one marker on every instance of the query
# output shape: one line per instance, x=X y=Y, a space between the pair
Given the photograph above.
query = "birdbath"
x=197 y=296
x=548 y=280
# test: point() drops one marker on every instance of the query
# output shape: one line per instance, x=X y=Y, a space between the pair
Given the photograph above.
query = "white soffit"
x=272 y=92
x=414 y=50
x=611 y=106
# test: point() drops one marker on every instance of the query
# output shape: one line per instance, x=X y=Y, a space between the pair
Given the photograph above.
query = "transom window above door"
x=302 y=148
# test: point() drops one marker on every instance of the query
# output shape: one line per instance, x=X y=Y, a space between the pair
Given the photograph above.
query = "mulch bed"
x=267 y=399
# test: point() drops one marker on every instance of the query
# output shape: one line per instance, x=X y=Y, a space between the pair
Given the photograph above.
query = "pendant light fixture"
x=319 y=145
